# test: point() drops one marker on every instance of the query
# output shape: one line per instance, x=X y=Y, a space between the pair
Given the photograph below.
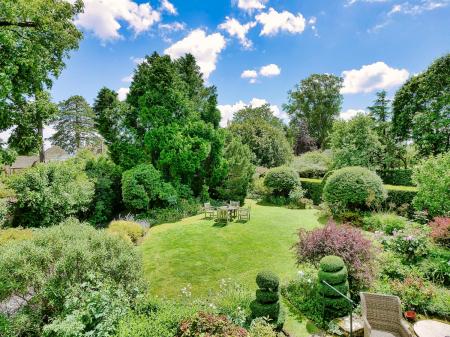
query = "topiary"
x=267 y=303
x=281 y=180
x=334 y=272
x=353 y=188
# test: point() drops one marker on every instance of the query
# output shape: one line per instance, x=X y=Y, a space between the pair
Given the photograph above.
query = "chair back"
x=207 y=205
x=235 y=203
x=382 y=311
x=222 y=214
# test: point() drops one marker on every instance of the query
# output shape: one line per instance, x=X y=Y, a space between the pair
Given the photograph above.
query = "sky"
x=255 y=51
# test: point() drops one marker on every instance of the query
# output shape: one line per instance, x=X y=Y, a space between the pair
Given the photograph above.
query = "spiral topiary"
x=267 y=302
x=334 y=272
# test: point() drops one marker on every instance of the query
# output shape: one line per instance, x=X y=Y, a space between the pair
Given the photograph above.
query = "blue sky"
x=256 y=50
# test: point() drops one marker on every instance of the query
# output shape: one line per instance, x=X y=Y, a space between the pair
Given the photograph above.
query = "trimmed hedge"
x=333 y=278
x=331 y=263
x=401 y=177
x=281 y=180
x=266 y=296
x=267 y=280
x=313 y=189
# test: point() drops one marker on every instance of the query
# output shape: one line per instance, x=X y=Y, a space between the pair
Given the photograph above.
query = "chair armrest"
x=367 y=327
x=406 y=329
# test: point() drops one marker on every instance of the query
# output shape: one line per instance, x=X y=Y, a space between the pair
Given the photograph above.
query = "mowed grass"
x=199 y=253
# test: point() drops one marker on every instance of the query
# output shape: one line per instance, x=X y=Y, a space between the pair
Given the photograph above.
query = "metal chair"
x=244 y=214
x=209 y=210
x=382 y=316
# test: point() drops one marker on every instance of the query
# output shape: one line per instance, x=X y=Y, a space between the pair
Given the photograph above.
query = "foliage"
x=36 y=38
x=205 y=324
x=440 y=230
x=420 y=109
x=267 y=303
x=181 y=209
x=316 y=100
x=355 y=143
x=435 y=266
x=73 y=252
x=261 y=328
x=303 y=142
x=386 y=222
x=344 y=241
x=4 y=210
x=313 y=164
x=13 y=234
x=415 y=293
x=281 y=181
x=143 y=188
x=313 y=189
x=7 y=156
x=107 y=200
x=263 y=134
x=433 y=181
x=48 y=193
x=74 y=125
x=239 y=171
x=131 y=231
x=401 y=199
x=334 y=272
x=396 y=176
x=353 y=188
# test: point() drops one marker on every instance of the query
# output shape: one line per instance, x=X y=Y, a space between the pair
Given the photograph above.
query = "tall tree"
x=316 y=100
x=302 y=140
x=36 y=37
x=74 y=125
x=421 y=109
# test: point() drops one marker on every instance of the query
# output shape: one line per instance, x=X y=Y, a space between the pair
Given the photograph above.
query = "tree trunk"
x=41 y=138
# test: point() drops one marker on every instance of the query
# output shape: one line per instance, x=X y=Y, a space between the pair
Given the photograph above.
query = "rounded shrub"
x=353 y=188
x=281 y=180
x=267 y=303
x=130 y=230
x=335 y=305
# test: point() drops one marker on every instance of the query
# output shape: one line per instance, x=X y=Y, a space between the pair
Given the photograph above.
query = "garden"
x=123 y=237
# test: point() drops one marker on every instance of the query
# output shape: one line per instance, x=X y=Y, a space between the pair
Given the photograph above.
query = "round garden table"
x=431 y=328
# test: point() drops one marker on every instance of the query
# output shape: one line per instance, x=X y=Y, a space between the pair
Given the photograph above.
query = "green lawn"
x=196 y=251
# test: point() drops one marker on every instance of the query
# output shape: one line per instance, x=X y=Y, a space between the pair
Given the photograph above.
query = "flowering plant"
x=412 y=243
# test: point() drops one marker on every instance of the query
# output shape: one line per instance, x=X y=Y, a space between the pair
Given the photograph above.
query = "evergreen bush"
x=281 y=180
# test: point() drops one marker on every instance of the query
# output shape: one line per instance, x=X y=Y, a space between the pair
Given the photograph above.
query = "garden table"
x=431 y=328
x=231 y=210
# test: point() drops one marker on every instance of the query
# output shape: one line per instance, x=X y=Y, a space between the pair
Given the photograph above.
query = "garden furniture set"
x=227 y=212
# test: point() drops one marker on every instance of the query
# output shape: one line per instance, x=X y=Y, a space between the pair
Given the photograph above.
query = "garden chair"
x=209 y=210
x=223 y=215
x=235 y=204
x=244 y=214
x=382 y=316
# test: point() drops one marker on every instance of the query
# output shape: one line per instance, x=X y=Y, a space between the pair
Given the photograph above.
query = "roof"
x=24 y=162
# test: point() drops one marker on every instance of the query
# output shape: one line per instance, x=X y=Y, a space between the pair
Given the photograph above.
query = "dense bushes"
x=344 y=241
x=78 y=256
x=12 y=234
x=440 y=230
x=205 y=324
x=312 y=164
x=433 y=181
x=313 y=189
x=281 y=181
x=129 y=230
x=398 y=176
x=143 y=188
x=48 y=193
x=386 y=222
x=353 y=188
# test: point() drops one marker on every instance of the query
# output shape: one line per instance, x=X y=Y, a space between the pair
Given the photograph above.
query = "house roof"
x=24 y=162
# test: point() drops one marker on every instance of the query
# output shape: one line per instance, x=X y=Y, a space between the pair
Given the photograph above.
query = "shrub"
x=334 y=272
x=73 y=252
x=440 y=230
x=143 y=188
x=267 y=302
x=438 y=305
x=206 y=324
x=353 y=188
x=386 y=222
x=433 y=181
x=400 y=198
x=107 y=183
x=48 y=193
x=183 y=208
x=313 y=189
x=415 y=293
x=130 y=230
x=390 y=265
x=261 y=328
x=312 y=164
x=436 y=266
x=13 y=234
x=4 y=210
x=281 y=181
x=396 y=176
x=344 y=241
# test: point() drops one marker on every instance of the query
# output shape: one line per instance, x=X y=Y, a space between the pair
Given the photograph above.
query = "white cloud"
x=205 y=48
x=122 y=93
x=127 y=79
x=375 y=76
x=274 y=22
x=167 y=6
x=228 y=110
x=172 y=27
x=250 y=5
x=351 y=2
x=48 y=132
x=270 y=70
x=103 y=17
x=409 y=8
x=235 y=28
x=137 y=60
x=350 y=113
x=251 y=74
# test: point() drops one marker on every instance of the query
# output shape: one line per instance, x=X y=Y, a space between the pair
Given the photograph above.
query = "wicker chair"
x=382 y=316
x=209 y=210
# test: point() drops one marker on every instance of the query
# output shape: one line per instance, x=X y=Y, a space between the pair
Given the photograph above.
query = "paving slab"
x=431 y=328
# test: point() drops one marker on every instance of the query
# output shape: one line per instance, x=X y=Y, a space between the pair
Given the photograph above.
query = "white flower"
x=301 y=273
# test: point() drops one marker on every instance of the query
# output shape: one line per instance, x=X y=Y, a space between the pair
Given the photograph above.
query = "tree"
x=303 y=142
x=421 y=109
x=74 y=125
x=381 y=113
x=36 y=37
x=355 y=143
x=28 y=136
x=316 y=100
x=263 y=133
